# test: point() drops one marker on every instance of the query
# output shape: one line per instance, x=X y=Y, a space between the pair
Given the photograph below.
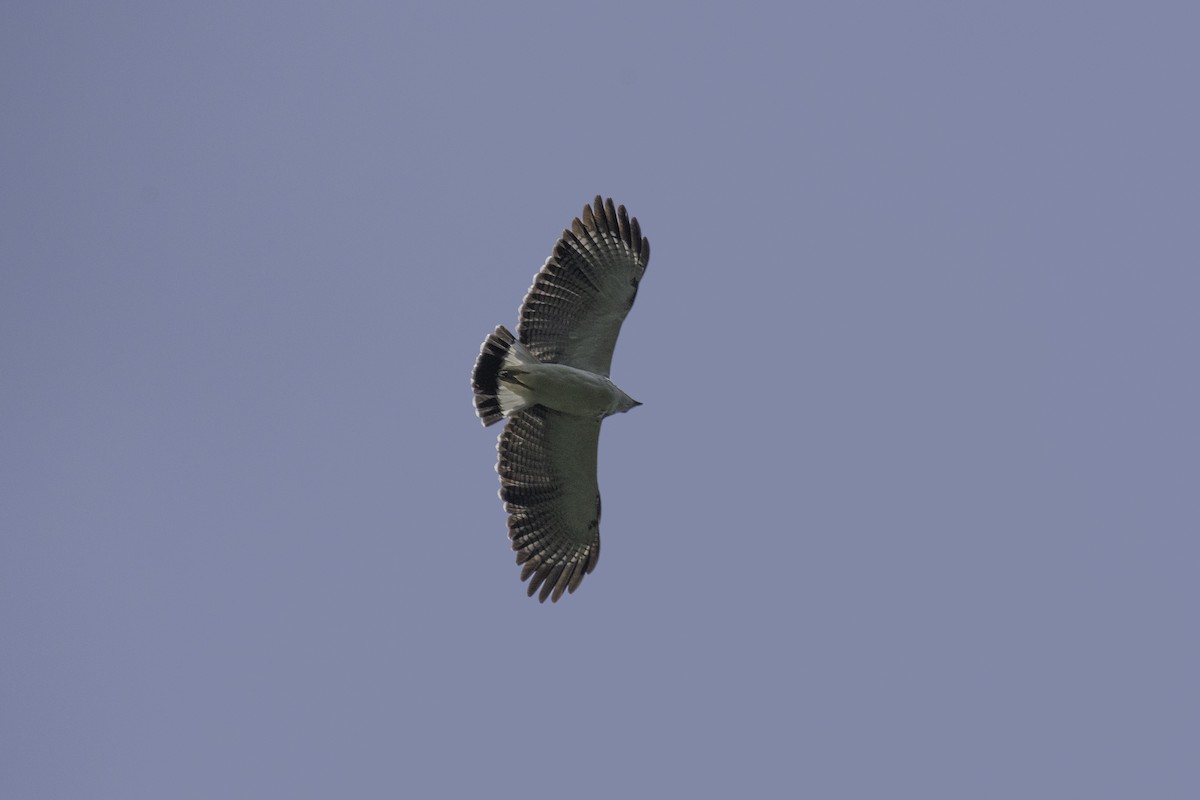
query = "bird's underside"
x=551 y=383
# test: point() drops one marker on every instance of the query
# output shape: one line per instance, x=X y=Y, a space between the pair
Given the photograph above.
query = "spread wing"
x=574 y=310
x=547 y=472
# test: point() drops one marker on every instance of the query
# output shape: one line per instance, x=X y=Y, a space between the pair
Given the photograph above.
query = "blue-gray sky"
x=911 y=508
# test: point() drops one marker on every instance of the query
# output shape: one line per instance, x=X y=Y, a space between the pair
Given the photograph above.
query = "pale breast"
x=571 y=390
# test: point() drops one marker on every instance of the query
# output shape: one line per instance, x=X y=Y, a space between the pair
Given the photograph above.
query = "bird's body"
x=553 y=387
x=566 y=389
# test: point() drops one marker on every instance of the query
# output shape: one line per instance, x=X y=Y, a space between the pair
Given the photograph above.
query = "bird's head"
x=624 y=403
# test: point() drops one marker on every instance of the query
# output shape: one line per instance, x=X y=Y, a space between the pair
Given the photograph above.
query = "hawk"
x=551 y=383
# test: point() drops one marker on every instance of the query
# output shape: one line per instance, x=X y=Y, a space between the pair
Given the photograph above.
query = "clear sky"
x=911 y=508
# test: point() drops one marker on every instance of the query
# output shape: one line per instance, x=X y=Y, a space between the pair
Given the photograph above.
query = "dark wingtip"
x=604 y=216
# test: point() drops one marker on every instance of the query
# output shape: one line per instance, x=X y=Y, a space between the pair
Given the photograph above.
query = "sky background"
x=912 y=506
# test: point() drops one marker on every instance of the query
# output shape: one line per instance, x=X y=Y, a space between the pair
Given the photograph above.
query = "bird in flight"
x=551 y=382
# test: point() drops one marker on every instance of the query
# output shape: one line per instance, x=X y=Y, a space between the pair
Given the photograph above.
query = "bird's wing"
x=574 y=310
x=547 y=472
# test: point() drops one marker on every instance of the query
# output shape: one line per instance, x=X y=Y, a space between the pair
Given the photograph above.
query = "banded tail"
x=497 y=397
